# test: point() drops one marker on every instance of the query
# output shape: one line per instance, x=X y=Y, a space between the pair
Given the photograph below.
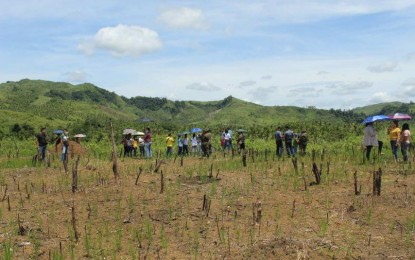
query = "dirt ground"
x=208 y=209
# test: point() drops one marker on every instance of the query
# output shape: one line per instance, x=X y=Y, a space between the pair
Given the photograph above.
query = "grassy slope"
x=375 y=108
x=43 y=102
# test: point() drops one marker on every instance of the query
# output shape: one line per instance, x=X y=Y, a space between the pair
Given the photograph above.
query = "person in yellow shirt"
x=394 y=133
x=169 y=143
x=135 y=146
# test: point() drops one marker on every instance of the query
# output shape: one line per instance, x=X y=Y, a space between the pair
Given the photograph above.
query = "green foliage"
x=27 y=105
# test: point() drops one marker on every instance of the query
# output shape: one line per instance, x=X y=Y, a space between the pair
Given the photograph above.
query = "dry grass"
x=125 y=221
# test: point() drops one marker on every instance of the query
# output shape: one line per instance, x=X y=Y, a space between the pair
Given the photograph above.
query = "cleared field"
x=209 y=209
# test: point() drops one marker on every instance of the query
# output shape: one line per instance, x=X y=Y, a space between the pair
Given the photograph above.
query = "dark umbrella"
x=376 y=118
x=400 y=116
x=58 y=132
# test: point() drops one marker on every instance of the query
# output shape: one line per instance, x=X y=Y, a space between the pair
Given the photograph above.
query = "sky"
x=321 y=53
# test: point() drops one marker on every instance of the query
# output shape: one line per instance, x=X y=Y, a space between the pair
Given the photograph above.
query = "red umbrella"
x=400 y=116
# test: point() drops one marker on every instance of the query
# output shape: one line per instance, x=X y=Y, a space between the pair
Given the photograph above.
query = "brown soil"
x=74 y=148
x=121 y=220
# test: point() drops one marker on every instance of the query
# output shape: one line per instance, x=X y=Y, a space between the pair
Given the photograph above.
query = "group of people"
x=398 y=138
x=292 y=142
x=226 y=140
x=200 y=144
x=133 y=144
x=42 y=144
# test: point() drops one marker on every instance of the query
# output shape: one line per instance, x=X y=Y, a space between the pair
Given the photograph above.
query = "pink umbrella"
x=400 y=116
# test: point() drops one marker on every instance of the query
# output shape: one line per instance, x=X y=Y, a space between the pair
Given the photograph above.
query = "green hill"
x=387 y=108
x=86 y=107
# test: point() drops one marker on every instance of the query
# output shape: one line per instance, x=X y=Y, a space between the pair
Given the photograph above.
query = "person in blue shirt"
x=288 y=138
x=278 y=141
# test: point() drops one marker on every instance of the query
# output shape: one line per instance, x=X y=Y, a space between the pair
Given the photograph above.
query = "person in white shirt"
x=369 y=139
x=405 y=141
x=227 y=141
x=194 y=143
x=65 y=145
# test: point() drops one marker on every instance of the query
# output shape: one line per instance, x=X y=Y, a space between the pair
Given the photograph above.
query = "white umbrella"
x=128 y=131
x=138 y=133
x=79 y=136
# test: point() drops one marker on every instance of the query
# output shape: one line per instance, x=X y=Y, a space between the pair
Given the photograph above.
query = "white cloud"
x=411 y=56
x=203 y=86
x=300 y=11
x=183 y=18
x=409 y=82
x=380 y=97
x=266 y=77
x=347 y=88
x=123 y=40
x=262 y=93
x=385 y=67
x=409 y=92
x=322 y=72
x=246 y=83
x=76 y=76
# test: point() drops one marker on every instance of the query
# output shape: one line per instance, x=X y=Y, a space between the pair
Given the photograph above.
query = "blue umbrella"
x=58 y=132
x=196 y=130
x=372 y=119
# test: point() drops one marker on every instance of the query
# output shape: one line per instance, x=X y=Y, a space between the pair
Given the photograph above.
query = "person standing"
x=405 y=141
x=65 y=145
x=169 y=144
x=135 y=145
x=147 y=143
x=241 y=142
x=206 y=143
x=227 y=140
x=194 y=141
x=180 y=145
x=42 y=143
x=288 y=138
x=130 y=145
x=199 y=144
x=185 y=142
x=369 y=139
x=303 y=140
x=278 y=142
x=141 y=146
x=124 y=142
x=230 y=138
x=394 y=133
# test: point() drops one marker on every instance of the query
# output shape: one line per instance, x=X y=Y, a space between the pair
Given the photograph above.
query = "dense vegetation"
x=27 y=105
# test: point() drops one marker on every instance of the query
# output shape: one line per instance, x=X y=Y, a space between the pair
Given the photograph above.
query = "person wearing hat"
x=206 y=145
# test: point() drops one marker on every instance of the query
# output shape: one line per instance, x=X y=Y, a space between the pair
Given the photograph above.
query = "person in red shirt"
x=147 y=143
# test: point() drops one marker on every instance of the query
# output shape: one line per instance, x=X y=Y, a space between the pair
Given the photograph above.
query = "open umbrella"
x=79 y=136
x=242 y=130
x=128 y=131
x=138 y=133
x=400 y=116
x=196 y=130
x=58 y=132
x=376 y=118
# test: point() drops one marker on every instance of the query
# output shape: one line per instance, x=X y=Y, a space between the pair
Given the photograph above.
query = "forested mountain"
x=28 y=104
